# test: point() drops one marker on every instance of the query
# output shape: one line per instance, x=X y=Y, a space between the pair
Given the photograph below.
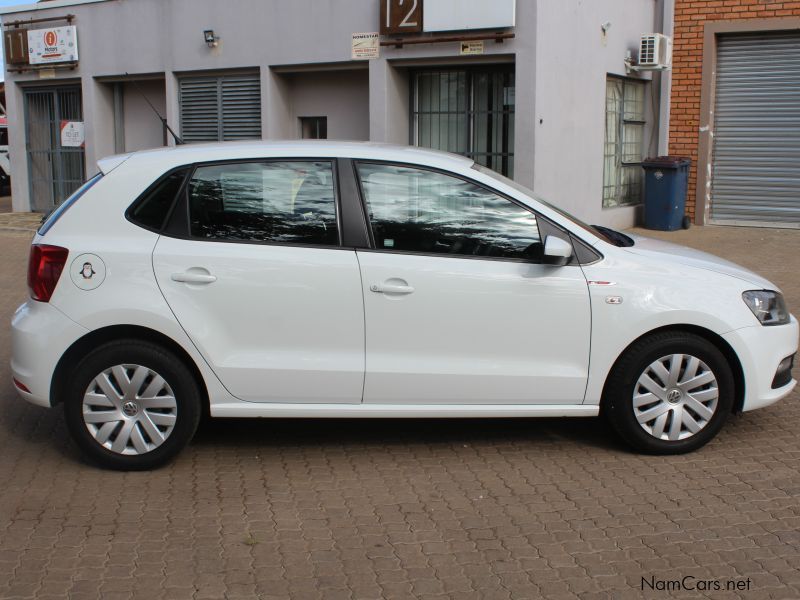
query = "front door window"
x=417 y=210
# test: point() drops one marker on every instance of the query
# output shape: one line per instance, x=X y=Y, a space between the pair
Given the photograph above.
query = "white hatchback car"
x=297 y=279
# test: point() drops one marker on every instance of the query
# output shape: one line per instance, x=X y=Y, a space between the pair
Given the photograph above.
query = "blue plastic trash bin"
x=666 y=183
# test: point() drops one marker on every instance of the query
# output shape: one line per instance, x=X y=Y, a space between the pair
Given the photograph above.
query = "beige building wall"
x=341 y=96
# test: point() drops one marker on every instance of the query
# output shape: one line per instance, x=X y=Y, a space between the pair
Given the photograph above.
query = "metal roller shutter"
x=756 y=157
x=220 y=108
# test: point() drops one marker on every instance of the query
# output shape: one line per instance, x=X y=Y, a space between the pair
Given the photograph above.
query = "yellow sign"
x=472 y=47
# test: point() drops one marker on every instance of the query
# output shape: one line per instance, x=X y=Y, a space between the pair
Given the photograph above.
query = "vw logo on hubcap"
x=674 y=396
x=130 y=409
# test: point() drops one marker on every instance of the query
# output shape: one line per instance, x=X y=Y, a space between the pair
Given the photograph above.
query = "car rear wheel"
x=132 y=405
x=669 y=393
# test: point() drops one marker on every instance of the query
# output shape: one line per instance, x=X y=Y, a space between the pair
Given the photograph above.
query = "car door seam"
x=177 y=320
x=364 y=321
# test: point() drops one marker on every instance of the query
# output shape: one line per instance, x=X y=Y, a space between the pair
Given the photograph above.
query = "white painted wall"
x=573 y=58
x=561 y=66
x=142 y=126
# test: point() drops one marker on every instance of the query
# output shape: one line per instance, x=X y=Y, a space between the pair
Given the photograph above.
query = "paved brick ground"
x=358 y=509
x=16 y=221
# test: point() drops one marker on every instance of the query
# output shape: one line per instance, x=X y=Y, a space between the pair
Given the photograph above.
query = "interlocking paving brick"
x=405 y=509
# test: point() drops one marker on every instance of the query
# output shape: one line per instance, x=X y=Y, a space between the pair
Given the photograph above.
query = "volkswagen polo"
x=299 y=279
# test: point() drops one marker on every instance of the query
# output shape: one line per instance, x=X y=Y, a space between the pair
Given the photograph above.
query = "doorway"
x=467 y=111
x=56 y=170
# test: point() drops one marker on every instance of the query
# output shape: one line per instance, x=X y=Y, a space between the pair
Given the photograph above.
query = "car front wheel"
x=669 y=393
x=132 y=405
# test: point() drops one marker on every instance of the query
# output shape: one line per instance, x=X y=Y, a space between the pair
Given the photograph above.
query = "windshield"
x=604 y=233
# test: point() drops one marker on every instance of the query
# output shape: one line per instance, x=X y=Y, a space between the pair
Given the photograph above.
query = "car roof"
x=175 y=156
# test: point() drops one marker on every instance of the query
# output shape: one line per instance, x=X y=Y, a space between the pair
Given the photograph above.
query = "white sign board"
x=72 y=134
x=460 y=15
x=366 y=46
x=54 y=45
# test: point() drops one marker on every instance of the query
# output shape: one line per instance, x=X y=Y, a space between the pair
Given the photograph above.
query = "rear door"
x=260 y=282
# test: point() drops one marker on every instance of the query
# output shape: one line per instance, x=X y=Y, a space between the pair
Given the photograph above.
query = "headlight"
x=768 y=307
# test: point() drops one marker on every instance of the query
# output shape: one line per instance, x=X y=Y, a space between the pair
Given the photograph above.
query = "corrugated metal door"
x=220 y=108
x=55 y=170
x=755 y=177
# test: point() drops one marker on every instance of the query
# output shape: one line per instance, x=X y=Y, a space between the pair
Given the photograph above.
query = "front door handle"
x=194 y=277
x=392 y=287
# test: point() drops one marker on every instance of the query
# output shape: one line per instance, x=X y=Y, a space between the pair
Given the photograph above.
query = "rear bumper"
x=760 y=350
x=40 y=334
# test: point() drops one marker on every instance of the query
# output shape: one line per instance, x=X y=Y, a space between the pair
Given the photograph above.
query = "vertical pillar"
x=20 y=183
x=98 y=119
x=172 y=102
x=388 y=103
x=119 y=117
x=276 y=108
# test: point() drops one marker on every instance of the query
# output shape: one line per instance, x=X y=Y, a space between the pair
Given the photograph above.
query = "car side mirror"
x=557 y=251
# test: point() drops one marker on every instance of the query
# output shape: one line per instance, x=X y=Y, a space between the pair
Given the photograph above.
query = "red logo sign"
x=50 y=38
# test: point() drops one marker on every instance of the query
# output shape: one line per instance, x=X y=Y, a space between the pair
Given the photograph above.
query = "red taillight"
x=44 y=268
x=21 y=385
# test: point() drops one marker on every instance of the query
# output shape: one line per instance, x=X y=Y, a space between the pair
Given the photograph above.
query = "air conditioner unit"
x=655 y=51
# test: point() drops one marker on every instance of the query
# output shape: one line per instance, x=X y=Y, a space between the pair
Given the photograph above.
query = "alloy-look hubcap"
x=129 y=409
x=675 y=397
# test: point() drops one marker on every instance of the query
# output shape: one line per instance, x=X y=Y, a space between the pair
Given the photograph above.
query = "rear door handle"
x=392 y=288
x=193 y=277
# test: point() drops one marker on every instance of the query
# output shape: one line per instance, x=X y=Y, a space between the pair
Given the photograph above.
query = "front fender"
x=644 y=296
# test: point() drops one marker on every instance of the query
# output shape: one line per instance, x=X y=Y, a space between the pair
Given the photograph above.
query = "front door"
x=56 y=168
x=262 y=286
x=459 y=308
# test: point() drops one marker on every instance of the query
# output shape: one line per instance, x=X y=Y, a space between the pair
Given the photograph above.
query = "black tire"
x=686 y=223
x=134 y=352
x=620 y=387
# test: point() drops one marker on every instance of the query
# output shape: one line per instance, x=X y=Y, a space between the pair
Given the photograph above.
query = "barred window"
x=466 y=111
x=624 y=142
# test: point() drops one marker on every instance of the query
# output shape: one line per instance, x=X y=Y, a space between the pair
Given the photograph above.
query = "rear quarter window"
x=151 y=209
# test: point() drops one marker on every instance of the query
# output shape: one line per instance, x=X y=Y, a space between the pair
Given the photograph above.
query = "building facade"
x=535 y=89
x=736 y=109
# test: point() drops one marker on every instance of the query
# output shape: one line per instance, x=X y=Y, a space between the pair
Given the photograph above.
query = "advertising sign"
x=365 y=46
x=72 y=134
x=472 y=47
x=54 y=45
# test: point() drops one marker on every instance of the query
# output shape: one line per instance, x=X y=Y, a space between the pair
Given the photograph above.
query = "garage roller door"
x=756 y=162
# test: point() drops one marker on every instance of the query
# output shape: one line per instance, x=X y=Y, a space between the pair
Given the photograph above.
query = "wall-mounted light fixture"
x=212 y=40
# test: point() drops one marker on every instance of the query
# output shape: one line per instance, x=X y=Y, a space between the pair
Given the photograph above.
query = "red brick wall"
x=687 y=64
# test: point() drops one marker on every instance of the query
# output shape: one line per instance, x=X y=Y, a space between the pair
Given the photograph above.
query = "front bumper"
x=40 y=334
x=760 y=350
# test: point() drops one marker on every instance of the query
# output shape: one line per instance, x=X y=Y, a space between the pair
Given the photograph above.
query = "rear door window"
x=286 y=202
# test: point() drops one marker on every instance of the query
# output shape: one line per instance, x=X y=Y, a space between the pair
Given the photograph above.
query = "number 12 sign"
x=401 y=16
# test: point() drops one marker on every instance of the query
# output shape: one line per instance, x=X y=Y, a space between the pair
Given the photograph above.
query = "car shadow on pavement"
x=252 y=433
x=46 y=431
